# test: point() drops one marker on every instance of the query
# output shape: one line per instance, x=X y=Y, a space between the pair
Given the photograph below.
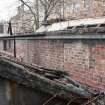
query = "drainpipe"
x=11 y=34
x=14 y=47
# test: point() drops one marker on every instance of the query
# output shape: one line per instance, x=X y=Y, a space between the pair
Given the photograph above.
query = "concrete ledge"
x=56 y=35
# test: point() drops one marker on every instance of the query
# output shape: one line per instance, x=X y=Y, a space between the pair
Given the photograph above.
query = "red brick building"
x=81 y=52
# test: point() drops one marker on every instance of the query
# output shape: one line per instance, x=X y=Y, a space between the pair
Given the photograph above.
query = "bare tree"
x=47 y=7
x=34 y=13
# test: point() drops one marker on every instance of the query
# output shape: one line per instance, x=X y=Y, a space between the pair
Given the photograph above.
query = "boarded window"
x=1 y=28
x=7 y=44
x=4 y=45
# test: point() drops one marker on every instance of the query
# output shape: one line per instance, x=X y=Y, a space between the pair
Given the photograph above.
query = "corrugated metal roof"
x=63 y=25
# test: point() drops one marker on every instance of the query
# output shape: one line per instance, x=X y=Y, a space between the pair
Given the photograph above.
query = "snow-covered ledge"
x=71 y=23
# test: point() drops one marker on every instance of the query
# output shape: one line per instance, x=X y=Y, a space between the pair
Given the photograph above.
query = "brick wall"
x=48 y=53
x=83 y=59
x=97 y=62
x=76 y=60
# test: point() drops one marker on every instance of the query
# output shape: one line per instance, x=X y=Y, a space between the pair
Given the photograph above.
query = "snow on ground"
x=65 y=24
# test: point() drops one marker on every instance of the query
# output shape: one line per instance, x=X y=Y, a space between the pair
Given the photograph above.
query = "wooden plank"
x=21 y=75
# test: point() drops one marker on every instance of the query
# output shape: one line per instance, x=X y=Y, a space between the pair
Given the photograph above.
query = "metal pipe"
x=14 y=47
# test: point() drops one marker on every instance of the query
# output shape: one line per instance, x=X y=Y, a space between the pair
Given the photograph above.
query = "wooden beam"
x=22 y=75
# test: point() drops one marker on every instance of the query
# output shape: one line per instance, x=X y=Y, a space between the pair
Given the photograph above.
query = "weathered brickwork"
x=76 y=60
x=21 y=49
x=46 y=53
x=83 y=59
x=97 y=62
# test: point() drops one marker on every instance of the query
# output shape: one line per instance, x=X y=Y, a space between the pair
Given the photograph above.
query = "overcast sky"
x=7 y=9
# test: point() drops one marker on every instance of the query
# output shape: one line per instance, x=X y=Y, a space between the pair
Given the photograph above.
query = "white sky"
x=7 y=9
